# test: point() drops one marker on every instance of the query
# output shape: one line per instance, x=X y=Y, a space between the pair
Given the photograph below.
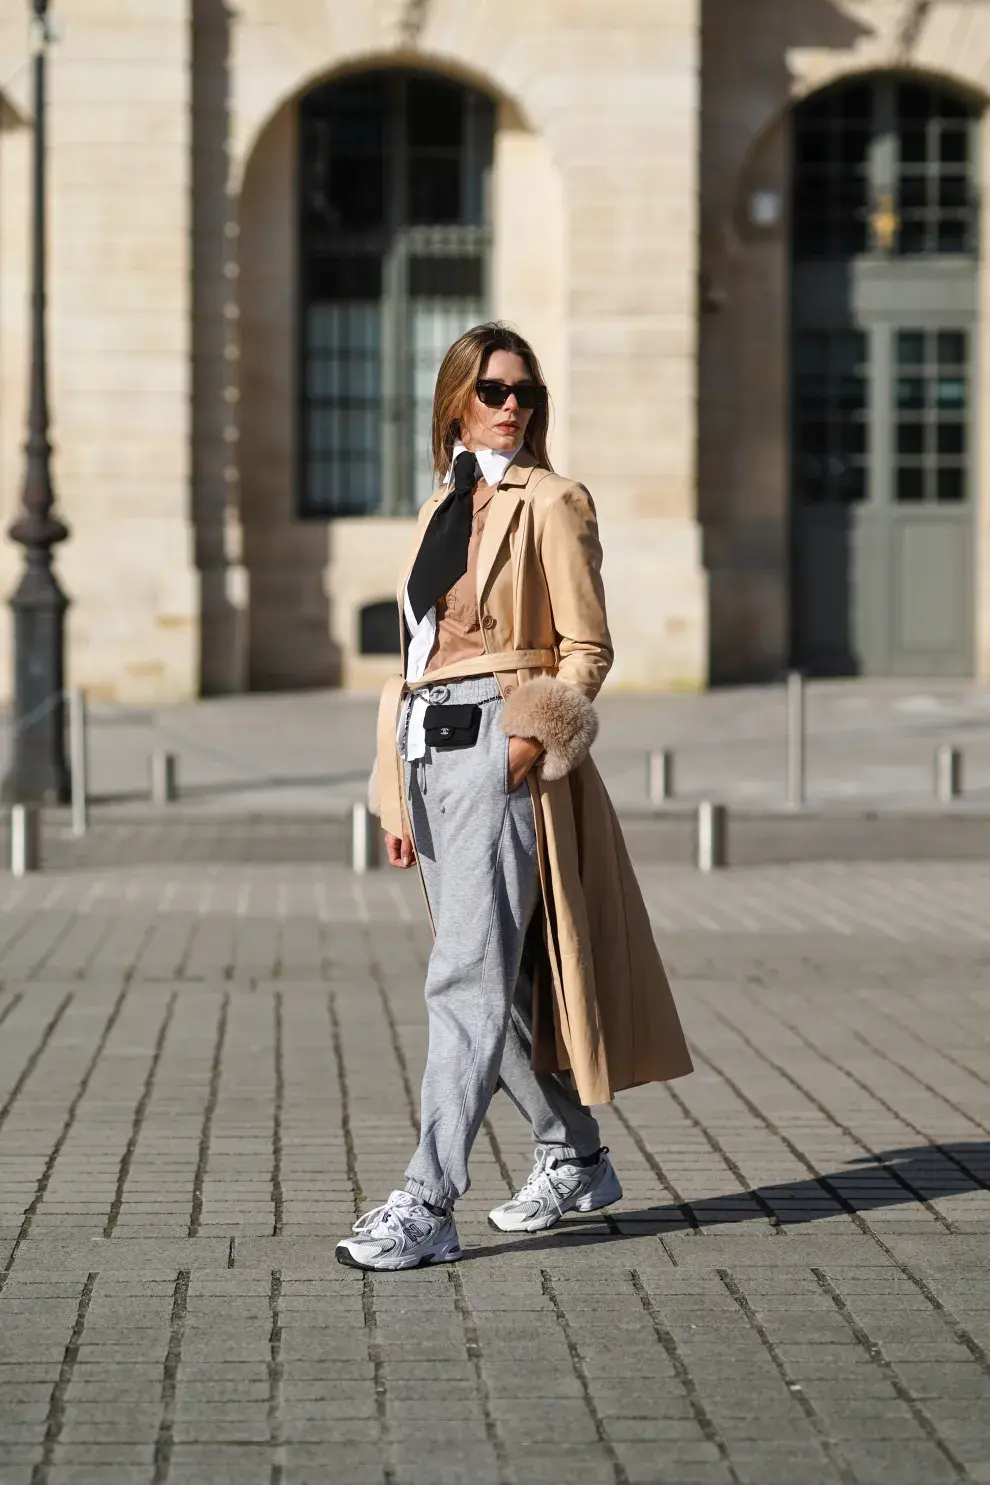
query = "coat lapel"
x=501 y=513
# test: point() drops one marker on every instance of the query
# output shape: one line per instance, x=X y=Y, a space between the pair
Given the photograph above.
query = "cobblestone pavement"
x=205 y=1073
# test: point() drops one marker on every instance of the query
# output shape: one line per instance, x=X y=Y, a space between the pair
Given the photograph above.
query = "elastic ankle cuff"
x=584 y=1160
x=438 y=1203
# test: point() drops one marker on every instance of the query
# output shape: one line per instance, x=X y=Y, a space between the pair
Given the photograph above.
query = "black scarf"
x=443 y=554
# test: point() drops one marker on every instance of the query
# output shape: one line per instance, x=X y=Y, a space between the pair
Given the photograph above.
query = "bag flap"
x=450 y=716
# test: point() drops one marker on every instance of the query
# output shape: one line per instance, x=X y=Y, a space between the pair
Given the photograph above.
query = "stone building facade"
x=745 y=245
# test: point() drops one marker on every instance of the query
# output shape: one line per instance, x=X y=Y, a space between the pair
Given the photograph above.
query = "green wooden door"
x=883 y=380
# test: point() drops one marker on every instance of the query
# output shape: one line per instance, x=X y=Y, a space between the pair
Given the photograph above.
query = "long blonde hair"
x=460 y=369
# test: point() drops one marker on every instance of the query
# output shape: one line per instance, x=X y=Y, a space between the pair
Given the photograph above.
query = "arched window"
x=394 y=243
x=885 y=167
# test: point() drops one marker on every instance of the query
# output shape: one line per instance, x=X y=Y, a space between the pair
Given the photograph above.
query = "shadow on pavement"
x=915 y=1174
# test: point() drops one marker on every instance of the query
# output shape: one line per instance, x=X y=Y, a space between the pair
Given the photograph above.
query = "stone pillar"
x=120 y=346
x=630 y=163
x=215 y=349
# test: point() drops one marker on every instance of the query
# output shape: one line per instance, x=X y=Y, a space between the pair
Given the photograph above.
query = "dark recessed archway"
x=885 y=261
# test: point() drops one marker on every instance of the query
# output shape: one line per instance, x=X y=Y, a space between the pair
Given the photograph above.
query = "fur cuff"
x=556 y=715
x=374 y=792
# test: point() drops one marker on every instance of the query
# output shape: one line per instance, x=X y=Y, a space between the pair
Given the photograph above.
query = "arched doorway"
x=394 y=240
x=884 y=349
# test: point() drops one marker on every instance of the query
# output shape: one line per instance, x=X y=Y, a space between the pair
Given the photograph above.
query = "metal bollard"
x=713 y=836
x=25 y=839
x=164 y=777
x=660 y=776
x=78 y=761
x=795 y=740
x=365 y=839
x=948 y=773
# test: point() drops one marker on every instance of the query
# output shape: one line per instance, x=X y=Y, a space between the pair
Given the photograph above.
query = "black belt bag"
x=449 y=727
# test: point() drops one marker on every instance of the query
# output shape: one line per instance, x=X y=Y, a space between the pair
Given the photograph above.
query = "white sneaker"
x=401 y=1234
x=555 y=1187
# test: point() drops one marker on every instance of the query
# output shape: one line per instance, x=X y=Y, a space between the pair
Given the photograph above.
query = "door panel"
x=929 y=500
x=931 y=607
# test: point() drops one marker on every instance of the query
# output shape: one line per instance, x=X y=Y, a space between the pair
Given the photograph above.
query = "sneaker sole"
x=541 y=1226
x=430 y=1260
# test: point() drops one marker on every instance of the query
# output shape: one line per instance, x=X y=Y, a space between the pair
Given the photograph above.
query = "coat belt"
x=390 y=777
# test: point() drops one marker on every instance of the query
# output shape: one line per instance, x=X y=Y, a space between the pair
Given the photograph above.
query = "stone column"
x=630 y=164
x=215 y=356
x=120 y=345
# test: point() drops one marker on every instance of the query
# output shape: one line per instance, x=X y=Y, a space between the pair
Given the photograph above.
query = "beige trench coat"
x=604 y=1009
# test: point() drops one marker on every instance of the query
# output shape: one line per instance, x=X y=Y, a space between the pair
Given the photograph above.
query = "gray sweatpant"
x=476 y=844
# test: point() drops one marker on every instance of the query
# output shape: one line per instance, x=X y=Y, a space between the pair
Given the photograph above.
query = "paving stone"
x=100 y=1474
x=233 y=1464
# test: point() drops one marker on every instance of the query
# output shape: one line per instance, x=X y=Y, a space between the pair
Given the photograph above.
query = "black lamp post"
x=38 y=769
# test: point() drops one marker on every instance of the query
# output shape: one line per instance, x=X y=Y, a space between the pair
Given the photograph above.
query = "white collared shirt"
x=411 y=737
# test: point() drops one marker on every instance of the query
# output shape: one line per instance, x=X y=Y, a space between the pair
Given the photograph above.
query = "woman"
x=544 y=978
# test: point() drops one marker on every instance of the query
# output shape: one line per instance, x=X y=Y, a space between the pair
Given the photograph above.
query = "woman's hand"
x=399 y=850
x=523 y=754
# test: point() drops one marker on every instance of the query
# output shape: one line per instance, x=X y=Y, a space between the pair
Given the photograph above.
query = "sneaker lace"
x=391 y=1218
x=540 y=1183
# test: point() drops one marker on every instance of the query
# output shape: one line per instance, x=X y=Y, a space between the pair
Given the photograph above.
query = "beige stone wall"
x=173 y=338
x=120 y=342
x=173 y=302
x=595 y=257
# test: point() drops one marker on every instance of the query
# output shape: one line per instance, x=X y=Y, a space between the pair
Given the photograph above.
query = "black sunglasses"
x=496 y=394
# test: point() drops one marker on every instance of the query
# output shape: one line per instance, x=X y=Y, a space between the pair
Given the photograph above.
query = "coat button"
x=488 y=621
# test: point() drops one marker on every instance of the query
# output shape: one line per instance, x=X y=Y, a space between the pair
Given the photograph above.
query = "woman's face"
x=497 y=427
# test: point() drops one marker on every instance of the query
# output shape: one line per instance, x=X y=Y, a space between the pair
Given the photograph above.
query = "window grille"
x=885 y=167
